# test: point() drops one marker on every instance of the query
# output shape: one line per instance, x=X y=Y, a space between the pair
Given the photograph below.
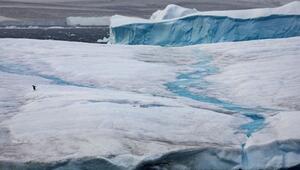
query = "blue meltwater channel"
x=24 y=70
x=193 y=85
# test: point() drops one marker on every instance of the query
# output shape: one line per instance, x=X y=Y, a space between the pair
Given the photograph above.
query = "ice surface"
x=270 y=80
x=110 y=106
x=279 y=64
x=291 y=8
x=277 y=145
x=116 y=104
x=172 y=11
x=288 y=9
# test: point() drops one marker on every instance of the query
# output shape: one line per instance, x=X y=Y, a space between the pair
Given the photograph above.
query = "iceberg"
x=171 y=27
x=172 y=11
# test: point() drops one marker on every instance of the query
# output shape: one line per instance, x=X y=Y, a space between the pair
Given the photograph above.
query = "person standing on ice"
x=34 y=87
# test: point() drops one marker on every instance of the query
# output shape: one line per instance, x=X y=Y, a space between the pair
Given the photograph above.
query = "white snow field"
x=218 y=106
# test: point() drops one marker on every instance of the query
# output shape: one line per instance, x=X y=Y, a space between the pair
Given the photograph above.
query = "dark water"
x=80 y=34
x=87 y=163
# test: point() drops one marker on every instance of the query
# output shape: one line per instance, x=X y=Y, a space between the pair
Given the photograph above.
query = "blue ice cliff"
x=206 y=27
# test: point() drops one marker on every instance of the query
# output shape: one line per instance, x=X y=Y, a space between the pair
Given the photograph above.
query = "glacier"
x=139 y=107
x=206 y=27
x=225 y=105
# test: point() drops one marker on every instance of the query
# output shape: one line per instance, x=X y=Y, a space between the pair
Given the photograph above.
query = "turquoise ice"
x=206 y=29
x=186 y=81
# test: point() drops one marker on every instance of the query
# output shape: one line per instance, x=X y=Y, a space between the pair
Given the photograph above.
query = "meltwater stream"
x=193 y=85
x=24 y=70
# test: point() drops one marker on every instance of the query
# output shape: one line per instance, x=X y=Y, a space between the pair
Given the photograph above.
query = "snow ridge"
x=171 y=11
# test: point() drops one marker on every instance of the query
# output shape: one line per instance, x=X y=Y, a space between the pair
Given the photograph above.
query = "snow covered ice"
x=118 y=107
x=226 y=105
x=172 y=11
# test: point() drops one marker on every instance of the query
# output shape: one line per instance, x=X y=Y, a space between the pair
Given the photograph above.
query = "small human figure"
x=34 y=87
